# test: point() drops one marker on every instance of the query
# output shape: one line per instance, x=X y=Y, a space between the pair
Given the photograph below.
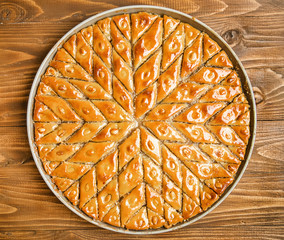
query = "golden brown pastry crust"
x=106 y=169
x=59 y=134
x=219 y=185
x=199 y=112
x=186 y=92
x=219 y=153
x=152 y=174
x=72 y=193
x=122 y=71
x=139 y=221
x=164 y=131
x=123 y=23
x=155 y=220
x=190 y=207
x=150 y=146
x=172 y=216
x=91 y=90
x=86 y=110
x=190 y=34
x=108 y=197
x=141 y=121
x=88 y=187
x=207 y=197
x=187 y=153
x=164 y=111
x=62 y=87
x=192 y=57
x=43 y=113
x=60 y=107
x=61 y=152
x=169 y=25
x=62 y=183
x=171 y=193
x=121 y=45
x=102 y=74
x=148 y=72
x=131 y=176
x=196 y=133
x=112 y=111
x=104 y=26
x=191 y=184
x=71 y=170
x=220 y=60
x=154 y=200
x=148 y=43
x=87 y=33
x=169 y=79
x=141 y=22
x=221 y=93
x=70 y=70
x=132 y=202
x=91 y=208
x=129 y=148
x=113 y=216
x=173 y=46
x=92 y=152
x=43 y=128
x=145 y=101
x=122 y=96
x=102 y=46
x=210 y=47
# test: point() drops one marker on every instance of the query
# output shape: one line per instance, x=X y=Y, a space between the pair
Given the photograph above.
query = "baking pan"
x=155 y=10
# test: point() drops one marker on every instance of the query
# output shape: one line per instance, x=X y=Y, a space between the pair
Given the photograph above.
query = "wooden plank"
x=29 y=29
x=190 y=232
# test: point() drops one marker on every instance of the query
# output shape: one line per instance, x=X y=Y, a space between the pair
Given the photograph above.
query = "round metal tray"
x=156 y=10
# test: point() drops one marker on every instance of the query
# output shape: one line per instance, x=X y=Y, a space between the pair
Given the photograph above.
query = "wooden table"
x=28 y=30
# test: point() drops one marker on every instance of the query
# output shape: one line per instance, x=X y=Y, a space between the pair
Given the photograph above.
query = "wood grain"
x=255 y=30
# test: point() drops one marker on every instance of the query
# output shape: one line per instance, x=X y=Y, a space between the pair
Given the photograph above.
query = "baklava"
x=141 y=121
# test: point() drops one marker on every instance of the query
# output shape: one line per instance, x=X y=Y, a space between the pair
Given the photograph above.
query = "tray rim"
x=158 y=10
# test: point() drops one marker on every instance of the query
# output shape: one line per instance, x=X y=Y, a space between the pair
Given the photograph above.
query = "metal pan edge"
x=158 y=10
